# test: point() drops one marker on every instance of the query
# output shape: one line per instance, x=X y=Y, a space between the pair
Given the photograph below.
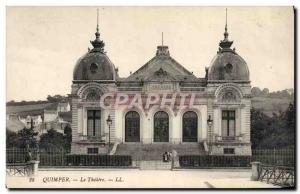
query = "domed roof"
x=95 y=65
x=227 y=64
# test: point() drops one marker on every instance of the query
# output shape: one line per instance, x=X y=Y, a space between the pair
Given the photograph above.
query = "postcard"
x=150 y=97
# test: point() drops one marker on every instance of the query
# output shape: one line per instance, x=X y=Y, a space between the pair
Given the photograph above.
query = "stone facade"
x=220 y=100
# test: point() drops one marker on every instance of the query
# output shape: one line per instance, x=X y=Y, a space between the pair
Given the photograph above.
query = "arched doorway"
x=161 y=127
x=189 y=127
x=132 y=127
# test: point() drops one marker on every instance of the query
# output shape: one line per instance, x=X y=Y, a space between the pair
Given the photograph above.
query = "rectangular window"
x=228 y=150
x=93 y=123
x=92 y=150
x=228 y=123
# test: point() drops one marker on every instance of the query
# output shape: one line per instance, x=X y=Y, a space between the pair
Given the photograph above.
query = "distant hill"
x=269 y=105
x=270 y=102
x=24 y=110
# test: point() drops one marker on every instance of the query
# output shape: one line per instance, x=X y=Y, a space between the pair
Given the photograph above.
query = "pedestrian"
x=165 y=157
x=174 y=154
x=169 y=156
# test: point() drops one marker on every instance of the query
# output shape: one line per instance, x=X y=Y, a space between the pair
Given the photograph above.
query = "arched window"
x=161 y=127
x=189 y=127
x=132 y=127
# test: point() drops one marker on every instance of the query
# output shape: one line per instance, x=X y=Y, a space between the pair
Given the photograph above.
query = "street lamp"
x=109 y=123
x=210 y=123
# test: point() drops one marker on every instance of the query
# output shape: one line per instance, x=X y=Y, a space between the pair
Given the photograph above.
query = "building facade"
x=216 y=114
x=63 y=107
x=32 y=121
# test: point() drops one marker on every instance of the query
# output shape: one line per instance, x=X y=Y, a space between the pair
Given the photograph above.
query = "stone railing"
x=228 y=138
x=92 y=138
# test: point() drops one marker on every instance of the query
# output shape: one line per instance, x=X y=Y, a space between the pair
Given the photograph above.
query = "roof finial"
x=162 y=50
x=226 y=33
x=226 y=19
x=97 y=20
x=97 y=43
x=225 y=44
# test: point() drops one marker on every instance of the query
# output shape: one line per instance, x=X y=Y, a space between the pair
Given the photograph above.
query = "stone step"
x=155 y=151
x=154 y=165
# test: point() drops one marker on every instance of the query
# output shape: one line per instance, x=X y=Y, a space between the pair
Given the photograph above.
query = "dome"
x=95 y=65
x=227 y=64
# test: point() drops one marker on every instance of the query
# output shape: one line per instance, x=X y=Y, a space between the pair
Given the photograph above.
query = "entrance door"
x=161 y=127
x=132 y=127
x=189 y=127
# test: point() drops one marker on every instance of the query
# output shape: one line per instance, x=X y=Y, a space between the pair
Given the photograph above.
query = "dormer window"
x=228 y=68
x=93 y=67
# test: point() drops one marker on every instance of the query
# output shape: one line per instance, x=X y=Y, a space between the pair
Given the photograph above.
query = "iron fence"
x=278 y=175
x=275 y=156
x=61 y=158
x=212 y=161
x=98 y=160
x=20 y=155
x=20 y=169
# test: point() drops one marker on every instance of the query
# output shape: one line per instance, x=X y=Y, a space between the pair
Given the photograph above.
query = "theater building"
x=217 y=123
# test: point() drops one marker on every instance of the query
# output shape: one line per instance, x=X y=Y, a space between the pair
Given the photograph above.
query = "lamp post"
x=109 y=123
x=210 y=123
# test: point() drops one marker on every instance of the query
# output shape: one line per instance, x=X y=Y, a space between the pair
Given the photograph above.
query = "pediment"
x=160 y=76
x=160 y=69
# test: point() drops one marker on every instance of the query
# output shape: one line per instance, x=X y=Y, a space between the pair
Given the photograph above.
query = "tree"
x=289 y=117
x=255 y=91
x=265 y=92
x=52 y=140
x=68 y=138
x=27 y=137
x=276 y=131
x=11 y=139
x=260 y=123
x=56 y=98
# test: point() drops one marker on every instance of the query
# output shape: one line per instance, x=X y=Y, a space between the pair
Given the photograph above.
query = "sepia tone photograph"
x=167 y=97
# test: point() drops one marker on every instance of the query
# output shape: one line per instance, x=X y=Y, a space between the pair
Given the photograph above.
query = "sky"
x=44 y=43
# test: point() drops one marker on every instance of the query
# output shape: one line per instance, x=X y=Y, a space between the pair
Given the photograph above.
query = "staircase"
x=154 y=165
x=149 y=156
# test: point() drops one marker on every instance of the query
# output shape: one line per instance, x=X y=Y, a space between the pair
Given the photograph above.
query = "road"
x=113 y=178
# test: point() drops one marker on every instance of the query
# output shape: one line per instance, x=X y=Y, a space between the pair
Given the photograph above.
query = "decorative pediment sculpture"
x=92 y=95
x=91 y=92
x=229 y=96
x=161 y=75
x=161 y=72
x=228 y=93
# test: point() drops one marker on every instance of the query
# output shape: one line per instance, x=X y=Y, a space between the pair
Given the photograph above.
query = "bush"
x=98 y=160
x=210 y=161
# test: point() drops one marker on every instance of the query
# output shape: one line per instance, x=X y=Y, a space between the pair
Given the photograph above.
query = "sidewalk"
x=123 y=178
